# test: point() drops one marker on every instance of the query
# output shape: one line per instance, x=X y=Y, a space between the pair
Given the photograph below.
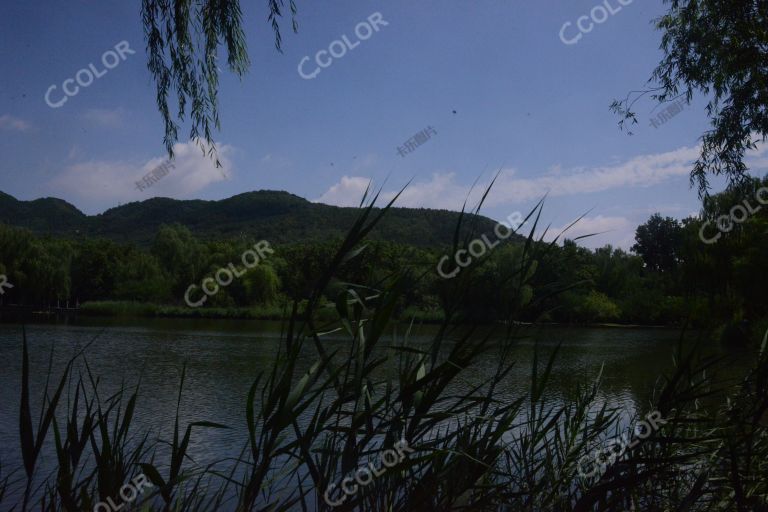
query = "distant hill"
x=277 y=216
x=47 y=215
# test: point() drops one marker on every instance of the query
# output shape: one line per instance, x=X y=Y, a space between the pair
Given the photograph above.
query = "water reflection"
x=223 y=359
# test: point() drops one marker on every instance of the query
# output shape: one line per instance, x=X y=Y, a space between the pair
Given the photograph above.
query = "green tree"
x=719 y=49
x=94 y=270
x=140 y=278
x=262 y=285
x=597 y=307
x=658 y=242
x=180 y=255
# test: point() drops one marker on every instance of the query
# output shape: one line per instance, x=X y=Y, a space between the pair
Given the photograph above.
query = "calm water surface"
x=224 y=357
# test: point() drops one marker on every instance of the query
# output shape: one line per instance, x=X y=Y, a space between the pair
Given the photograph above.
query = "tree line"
x=701 y=268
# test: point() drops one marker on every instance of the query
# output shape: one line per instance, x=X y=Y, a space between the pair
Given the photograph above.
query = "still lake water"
x=223 y=358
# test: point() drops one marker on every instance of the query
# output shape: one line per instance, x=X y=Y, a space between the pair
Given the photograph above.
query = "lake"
x=223 y=358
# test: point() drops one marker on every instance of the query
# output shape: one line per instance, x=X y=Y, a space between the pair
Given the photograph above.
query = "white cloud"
x=442 y=191
x=617 y=231
x=105 y=117
x=10 y=123
x=348 y=192
x=757 y=160
x=104 y=183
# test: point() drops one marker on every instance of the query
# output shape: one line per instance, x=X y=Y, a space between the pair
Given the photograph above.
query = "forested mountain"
x=272 y=215
x=47 y=215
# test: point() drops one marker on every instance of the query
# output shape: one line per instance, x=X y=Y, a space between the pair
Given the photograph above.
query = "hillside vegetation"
x=272 y=215
x=152 y=252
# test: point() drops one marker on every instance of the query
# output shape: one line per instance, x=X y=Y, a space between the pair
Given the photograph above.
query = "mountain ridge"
x=275 y=215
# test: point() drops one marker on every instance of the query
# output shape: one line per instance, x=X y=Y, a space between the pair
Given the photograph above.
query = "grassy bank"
x=144 y=309
x=326 y=311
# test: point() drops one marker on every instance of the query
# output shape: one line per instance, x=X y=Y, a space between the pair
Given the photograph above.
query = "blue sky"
x=524 y=102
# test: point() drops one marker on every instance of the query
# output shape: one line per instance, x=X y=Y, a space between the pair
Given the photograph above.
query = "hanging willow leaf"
x=183 y=39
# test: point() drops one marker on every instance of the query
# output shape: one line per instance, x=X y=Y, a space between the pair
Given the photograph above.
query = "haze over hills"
x=276 y=216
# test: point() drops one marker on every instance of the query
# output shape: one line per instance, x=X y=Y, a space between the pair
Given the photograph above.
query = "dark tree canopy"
x=717 y=48
x=658 y=242
x=183 y=39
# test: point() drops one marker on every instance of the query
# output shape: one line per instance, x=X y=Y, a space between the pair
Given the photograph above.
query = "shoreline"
x=114 y=309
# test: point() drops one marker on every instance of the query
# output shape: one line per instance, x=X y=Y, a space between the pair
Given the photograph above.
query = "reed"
x=469 y=447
